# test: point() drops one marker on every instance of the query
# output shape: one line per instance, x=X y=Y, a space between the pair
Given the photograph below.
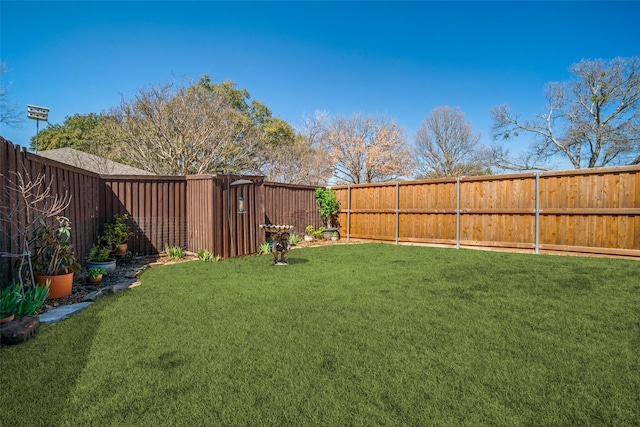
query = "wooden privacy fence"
x=193 y=212
x=585 y=211
x=83 y=187
x=156 y=206
x=203 y=211
x=289 y=204
x=214 y=221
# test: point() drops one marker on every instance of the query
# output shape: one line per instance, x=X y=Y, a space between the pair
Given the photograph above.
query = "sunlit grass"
x=345 y=335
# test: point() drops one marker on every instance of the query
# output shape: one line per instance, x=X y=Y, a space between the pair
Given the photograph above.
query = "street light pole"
x=38 y=114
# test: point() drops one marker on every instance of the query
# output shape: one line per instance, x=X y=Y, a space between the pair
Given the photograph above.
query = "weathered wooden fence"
x=193 y=212
x=291 y=205
x=216 y=219
x=83 y=187
x=584 y=211
x=156 y=206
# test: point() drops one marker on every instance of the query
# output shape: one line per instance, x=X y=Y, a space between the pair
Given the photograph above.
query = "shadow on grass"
x=39 y=376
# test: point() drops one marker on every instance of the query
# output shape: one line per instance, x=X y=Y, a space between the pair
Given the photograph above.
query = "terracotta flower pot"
x=7 y=319
x=94 y=280
x=121 y=249
x=61 y=284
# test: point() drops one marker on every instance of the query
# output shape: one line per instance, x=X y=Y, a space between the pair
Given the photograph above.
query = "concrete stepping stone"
x=60 y=313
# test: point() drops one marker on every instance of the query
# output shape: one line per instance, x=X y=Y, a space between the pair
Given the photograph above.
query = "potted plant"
x=335 y=236
x=99 y=257
x=328 y=206
x=319 y=233
x=308 y=236
x=9 y=299
x=54 y=259
x=117 y=233
x=94 y=276
x=33 y=203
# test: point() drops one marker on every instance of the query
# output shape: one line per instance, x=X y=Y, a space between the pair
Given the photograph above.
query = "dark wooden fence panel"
x=244 y=228
x=585 y=211
x=156 y=206
x=214 y=220
x=200 y=212
x=286 y=204
x=83 y=187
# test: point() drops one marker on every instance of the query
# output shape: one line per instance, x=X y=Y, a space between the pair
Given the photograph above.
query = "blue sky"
x=400 y=59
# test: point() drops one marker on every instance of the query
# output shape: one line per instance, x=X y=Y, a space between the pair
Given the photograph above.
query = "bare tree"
x=301 y=161
x=592 y=121
x=29 y=204
x=10 y=114
x=314 y=127
x=298 y=163
x=184 y=130
x=501 y=157
x=367 y=149
x=445 y=146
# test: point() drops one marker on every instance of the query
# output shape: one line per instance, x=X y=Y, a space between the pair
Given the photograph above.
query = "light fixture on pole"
x=38 y=114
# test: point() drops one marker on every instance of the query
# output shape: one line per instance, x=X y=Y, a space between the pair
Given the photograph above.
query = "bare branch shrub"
x=30 y=203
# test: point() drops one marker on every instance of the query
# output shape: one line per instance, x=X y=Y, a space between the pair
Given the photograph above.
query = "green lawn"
x=370 y=334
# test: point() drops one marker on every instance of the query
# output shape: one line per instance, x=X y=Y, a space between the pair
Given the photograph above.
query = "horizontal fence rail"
x=594 y=211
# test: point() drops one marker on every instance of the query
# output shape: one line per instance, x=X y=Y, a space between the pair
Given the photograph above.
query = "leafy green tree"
x=275 y=152
x=84 y=132
x=272 y=130
x=328 y=204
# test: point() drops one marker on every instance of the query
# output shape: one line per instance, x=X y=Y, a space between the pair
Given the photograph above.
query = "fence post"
x=537 y=227
x=348 y=212
x=397 y=212
x=458 y=213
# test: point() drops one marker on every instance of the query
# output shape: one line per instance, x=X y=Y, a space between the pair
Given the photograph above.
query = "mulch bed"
x=126 y=268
